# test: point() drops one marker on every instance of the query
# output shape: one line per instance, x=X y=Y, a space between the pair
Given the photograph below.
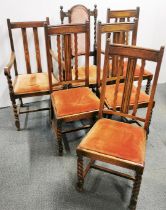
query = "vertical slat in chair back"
x=34 y=25
x=127 y=105
x=65 y=36
x=117 y=34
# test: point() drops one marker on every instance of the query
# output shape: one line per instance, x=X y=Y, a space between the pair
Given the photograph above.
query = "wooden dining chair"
x=114 y=142
x=81 y=14
x=75 y=102
x=117 y=33
x=129 y=16
x=32 y=82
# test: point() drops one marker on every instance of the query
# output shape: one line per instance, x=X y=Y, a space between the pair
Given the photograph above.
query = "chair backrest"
x=119 y=34
x=133 y=55
x=122 y=15
x=23 y=26
x=80 y=14
x=66 y=35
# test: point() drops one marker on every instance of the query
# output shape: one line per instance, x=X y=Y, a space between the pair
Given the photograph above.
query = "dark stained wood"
x=65 y=29
x=67 y=56
x=76 y=55
x=38 y=57
x=26 y=50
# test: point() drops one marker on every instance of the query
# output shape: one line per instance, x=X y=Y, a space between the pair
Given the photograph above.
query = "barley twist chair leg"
x=17 y=121
x=135 y=191
x=80 y=176
x=11 y=92
x=148 y=86
x=59 y=138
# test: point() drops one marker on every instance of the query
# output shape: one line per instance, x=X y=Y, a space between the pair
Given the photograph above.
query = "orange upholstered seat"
x=74 y=101
x=110 y=90
x=137 y=70
x=31 y=83
x=116 y=139
x=92 y=73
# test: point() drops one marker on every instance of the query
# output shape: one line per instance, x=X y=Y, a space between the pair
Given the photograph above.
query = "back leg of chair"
x=148 y=85
x=80 y=174
x=59 y=137
x=136 y=189
x=21 y=102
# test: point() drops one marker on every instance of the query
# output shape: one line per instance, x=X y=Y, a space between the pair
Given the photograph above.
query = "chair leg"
x=21 y=102
x=51 y=112
x=17 y=121
x=80 y=176
x=135 y=191
x=59 y=138
x=148 y=86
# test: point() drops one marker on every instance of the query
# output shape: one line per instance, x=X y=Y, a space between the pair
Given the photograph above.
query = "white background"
x=151 y=30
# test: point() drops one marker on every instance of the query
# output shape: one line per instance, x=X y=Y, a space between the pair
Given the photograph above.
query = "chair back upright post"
x=117 y=34
x=67 y=41
x=133 y=55
x=23 y=26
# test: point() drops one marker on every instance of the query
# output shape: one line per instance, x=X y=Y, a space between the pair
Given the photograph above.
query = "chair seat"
x=32 y=83
x=92 y=73
x=109 y=95
x=116 y=139
x=74 y=101
x=137 y=70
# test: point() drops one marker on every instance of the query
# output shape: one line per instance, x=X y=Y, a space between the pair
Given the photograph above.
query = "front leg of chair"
x=59 y=137
x=135 y=191
x=80 y=176
x=148 y=86
x=13 y=100
x=17 y=121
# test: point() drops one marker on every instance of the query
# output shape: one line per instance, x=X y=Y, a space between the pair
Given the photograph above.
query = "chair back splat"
x=132 y=56
x=67 y=43
x=119 y=34
x=80 y=14
x=24 y=26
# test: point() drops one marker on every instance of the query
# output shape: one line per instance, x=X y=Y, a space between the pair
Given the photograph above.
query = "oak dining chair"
x=114 y=142
x=28 y=82
x=77 y=101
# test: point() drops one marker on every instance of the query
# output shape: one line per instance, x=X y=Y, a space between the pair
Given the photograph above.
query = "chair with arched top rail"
x=114 y=142
x=80 y=14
